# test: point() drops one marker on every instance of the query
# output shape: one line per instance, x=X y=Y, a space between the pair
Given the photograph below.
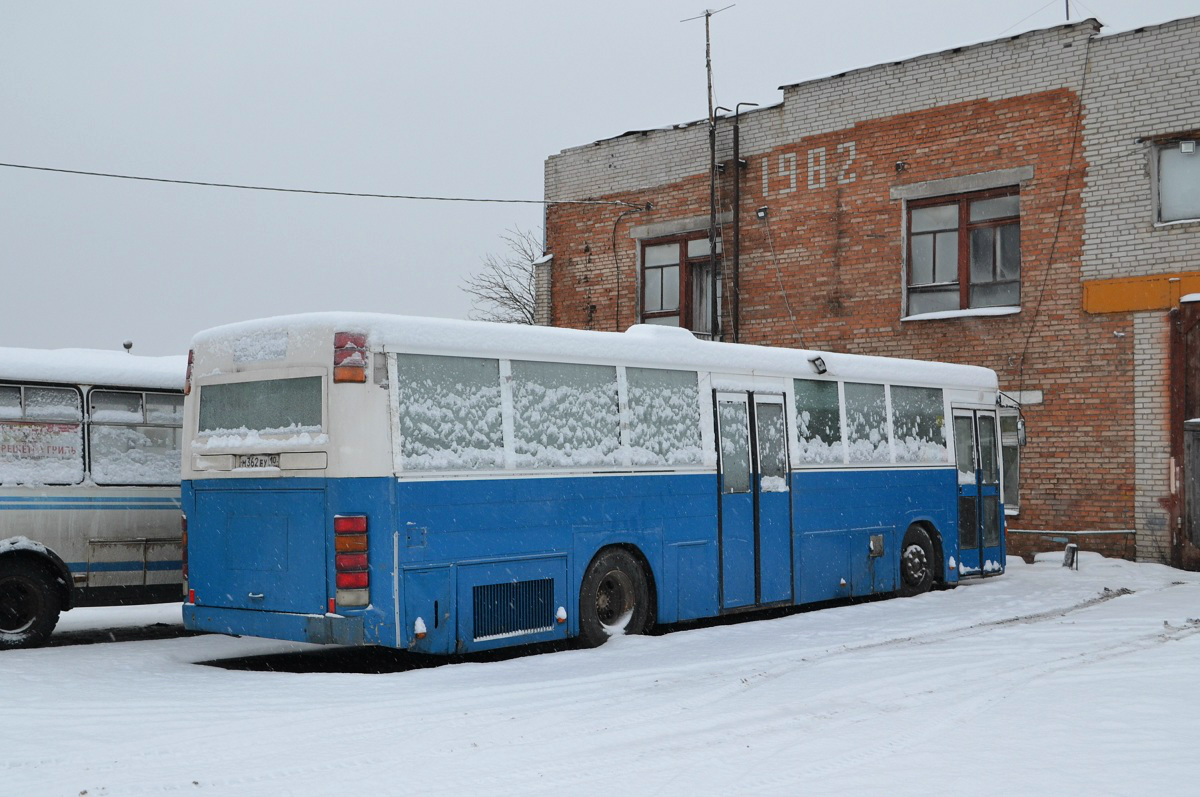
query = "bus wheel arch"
x=920 y=559
x=33 y=593
x=616 y=595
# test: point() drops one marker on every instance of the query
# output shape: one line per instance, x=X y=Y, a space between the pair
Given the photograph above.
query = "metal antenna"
x=714 y=321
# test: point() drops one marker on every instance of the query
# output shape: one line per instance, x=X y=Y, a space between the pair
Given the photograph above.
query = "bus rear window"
x=268 y=406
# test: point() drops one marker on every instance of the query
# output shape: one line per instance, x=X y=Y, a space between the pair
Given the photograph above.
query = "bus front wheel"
x=916 y=562
x=29 y=604
x=614 y=598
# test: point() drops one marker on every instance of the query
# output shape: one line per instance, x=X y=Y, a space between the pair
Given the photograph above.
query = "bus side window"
x=919 y=424
x=449 y=412
x=819 y=422
x=664 y=417
x=565 y=415
x=41 y=435
x=135 y=438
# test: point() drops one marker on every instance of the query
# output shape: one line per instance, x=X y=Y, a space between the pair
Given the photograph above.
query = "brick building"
x=1030 y=204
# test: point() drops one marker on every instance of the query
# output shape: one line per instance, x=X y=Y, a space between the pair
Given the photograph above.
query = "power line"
x=320 y=193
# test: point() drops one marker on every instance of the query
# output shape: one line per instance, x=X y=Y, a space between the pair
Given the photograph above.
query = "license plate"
x=258 y=461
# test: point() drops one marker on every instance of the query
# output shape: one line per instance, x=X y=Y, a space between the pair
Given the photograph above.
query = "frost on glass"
x=664 y=414
x=164 y=408
x=565 y=415
x=135 y=454
x=772 y=447
x=866 y=423
x=819 y=420
x=735 y=447
x=919 y=424
x=10 y=403
x=450 y=416
x=272 y=406
x=52 y=404
x=115 y=407
x=41 y=453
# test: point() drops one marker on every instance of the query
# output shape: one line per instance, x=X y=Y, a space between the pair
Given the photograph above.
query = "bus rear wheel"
x=29 y=604
x=916 y=562
x=614 y=598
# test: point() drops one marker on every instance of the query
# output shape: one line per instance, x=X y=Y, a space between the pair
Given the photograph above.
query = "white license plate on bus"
x=258 y=461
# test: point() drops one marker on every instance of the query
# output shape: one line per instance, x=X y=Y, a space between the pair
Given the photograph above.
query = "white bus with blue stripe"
x=90 y=447
x=447 y=486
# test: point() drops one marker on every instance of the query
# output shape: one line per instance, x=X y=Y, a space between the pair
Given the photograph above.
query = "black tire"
x=916 y=562
x=29 y=603
x=614 y=598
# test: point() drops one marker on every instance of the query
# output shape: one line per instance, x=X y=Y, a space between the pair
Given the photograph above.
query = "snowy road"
x=1043 y=681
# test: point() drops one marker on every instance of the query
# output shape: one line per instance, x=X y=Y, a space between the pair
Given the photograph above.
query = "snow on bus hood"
x=642 y=345
x=92 y=367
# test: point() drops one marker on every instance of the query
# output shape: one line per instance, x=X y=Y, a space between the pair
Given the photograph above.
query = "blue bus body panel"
x=488 y=562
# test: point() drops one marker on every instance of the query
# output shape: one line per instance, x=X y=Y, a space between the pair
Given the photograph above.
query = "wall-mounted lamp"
x=818 y=364
x=1187 y=147
x=900 y=166
x=761 y=212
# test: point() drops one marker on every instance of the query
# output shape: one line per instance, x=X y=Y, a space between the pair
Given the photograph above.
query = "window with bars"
x=964 y=252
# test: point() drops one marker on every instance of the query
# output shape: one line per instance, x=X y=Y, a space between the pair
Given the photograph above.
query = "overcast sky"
x=435 y=98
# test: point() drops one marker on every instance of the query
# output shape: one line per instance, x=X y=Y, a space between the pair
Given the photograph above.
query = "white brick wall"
x=1151 y=392
x=1142 y=83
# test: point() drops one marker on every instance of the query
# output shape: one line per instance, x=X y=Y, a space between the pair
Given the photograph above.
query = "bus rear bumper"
x=321 y=629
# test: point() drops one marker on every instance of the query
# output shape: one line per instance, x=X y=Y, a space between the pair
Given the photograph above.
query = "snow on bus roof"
x=92 y=367
x=641 y=345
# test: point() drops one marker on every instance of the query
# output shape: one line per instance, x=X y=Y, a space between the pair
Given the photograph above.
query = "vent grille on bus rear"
x=521 y=607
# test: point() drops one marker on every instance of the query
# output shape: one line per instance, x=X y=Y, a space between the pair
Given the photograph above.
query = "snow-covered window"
x=135 y=438
x=733 y=426
x=866 y=423
x=449 y=412
x=272 y=406
x=565 y=415
x=919 y=424
x=818 y=416
x=772 y=447
x=664 y=414
x=41 y=435
x=943 y=274
x=1179 y=181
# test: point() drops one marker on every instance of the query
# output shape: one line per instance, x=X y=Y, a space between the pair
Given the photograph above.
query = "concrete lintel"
x=964 y=185
x=661 y=229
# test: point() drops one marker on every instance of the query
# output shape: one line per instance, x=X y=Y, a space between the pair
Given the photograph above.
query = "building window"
x=676 y=284
x=964 y=252
x=1178 y=181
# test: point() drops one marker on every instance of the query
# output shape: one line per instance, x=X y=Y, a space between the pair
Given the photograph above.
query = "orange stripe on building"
x=1131 y=294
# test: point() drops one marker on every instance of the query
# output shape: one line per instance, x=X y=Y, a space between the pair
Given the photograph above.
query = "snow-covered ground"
x=1043 y=681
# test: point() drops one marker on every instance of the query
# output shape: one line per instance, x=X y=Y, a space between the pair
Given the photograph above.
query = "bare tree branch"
x=504 y=289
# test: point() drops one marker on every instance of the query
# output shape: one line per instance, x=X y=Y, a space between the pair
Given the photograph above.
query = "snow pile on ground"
x=1044 y=680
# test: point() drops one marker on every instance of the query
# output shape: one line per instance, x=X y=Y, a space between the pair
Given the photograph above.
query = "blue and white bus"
x=90 y=446
x=447 y=486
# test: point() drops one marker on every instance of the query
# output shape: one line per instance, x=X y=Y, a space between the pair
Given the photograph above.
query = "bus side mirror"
x=1021 y=439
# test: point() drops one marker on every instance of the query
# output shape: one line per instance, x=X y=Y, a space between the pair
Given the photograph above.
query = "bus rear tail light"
x=187 y=376
x=349 y=357
x=353 y=576
x=183 y=539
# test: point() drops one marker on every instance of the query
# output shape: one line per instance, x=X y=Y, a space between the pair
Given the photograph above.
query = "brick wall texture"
x=825 y=269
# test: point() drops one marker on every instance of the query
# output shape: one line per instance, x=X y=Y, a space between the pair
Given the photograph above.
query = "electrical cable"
x=317 y=192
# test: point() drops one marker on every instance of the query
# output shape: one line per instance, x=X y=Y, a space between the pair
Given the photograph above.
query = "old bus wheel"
x=29 y=604
x=614 y=598
x=916 y=562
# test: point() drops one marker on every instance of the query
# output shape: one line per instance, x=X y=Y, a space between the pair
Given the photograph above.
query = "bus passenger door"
x=755 y=506
x=980 y=548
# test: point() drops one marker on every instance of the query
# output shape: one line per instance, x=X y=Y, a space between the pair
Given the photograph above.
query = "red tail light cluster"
x=349 y=357
x=350 y=560
x=187 y=377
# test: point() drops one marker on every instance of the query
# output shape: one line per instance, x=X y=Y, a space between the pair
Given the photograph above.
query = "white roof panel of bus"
x=641 y=345
x=92 y=367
